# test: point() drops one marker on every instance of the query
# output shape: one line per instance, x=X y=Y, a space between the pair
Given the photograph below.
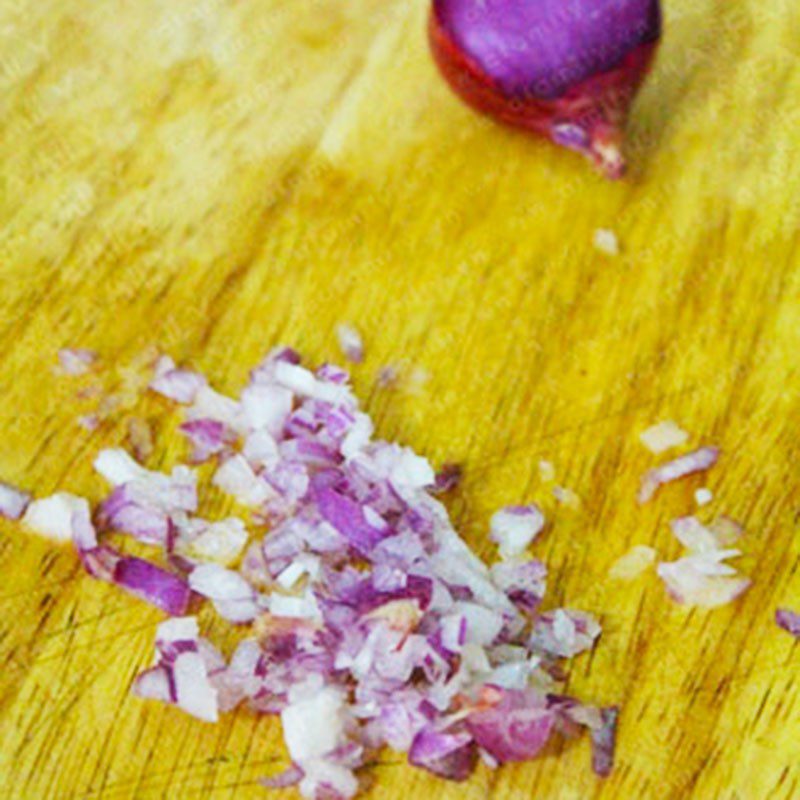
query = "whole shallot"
x=565 y=69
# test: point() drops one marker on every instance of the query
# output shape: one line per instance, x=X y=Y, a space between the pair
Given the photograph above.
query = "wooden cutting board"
x=213 y=177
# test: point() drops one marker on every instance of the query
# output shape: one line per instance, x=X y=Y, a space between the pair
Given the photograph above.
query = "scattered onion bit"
x=789 y=621
x=447 y=478
x=547 y=472
x=89 y=422
x=604 y=741
x=76 y=360
x=350 y=342
x=701 y=578
x=703 y=496
x=180 y=675
x=566 y=497
x=371 y=623
x=176 y=383
x=606 y=242
x=417 y=379
x=629 y=566
x=663 y=436
x=697 y=461
x=13 y=501
x=140 y=438
x=726 y=530
x=514 y=528
x=52 y=517
x=388 y=377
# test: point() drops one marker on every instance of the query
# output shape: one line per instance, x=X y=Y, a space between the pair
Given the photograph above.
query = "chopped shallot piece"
x=633 y=563
x=515 y=527
x=176 y=383
x=76 y=360
x=703 y=496
x=726 y=530
x=180 y=675
x=141 y=578
x=693 y=535
x=663 y=436
x=696 y=461
x=13 y=501
x=219 y=542
x=702 y=578
x=388 y=377
x=604 y=740
x=789 y=621
x=565 y=632
x=606 y=241
x=691 y=581
x=52 y=517
x=417 y=379
x=350 y=342
x=291 y=776
x=89 y=422
x=514 y=726
x=140 y=438
x=231 y=594
x=447 y=478
x=547 y=472
x=566 y=497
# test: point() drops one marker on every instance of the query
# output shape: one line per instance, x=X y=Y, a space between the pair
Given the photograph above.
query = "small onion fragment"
x=565 y=632
x=232 y=596
x=702 y=578
x=698 y=580
x=606 y=242
x=350 y=342
x=663 y=436
x=547 y=471
x=515 y=726
x=291 y=776
x=697 y=461
x=52 y=517
x=789 y=621
x=207 y=438
x=140 y=438
x=237 y=478
x=604 y=741
x=693 y=535
x=633 y=563
x=13 y=501
x=726 y=530
x=567 y=497
x=174 y=383
x=515 y=527
x=76 y=360
x=447 y=478
x=220 y=542
x=152 y=584
x=450 y=755
x=180 y=674
x=703 y=496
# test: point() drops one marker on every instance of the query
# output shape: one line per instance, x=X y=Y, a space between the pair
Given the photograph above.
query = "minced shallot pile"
x=371 y=623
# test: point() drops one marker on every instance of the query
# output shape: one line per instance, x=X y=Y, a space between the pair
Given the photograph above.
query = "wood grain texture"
x=213 y=177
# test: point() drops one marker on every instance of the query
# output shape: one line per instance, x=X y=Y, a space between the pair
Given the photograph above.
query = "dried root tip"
x=605 y=149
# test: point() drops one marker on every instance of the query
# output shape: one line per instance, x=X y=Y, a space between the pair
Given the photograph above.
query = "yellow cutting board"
x=214 y=177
